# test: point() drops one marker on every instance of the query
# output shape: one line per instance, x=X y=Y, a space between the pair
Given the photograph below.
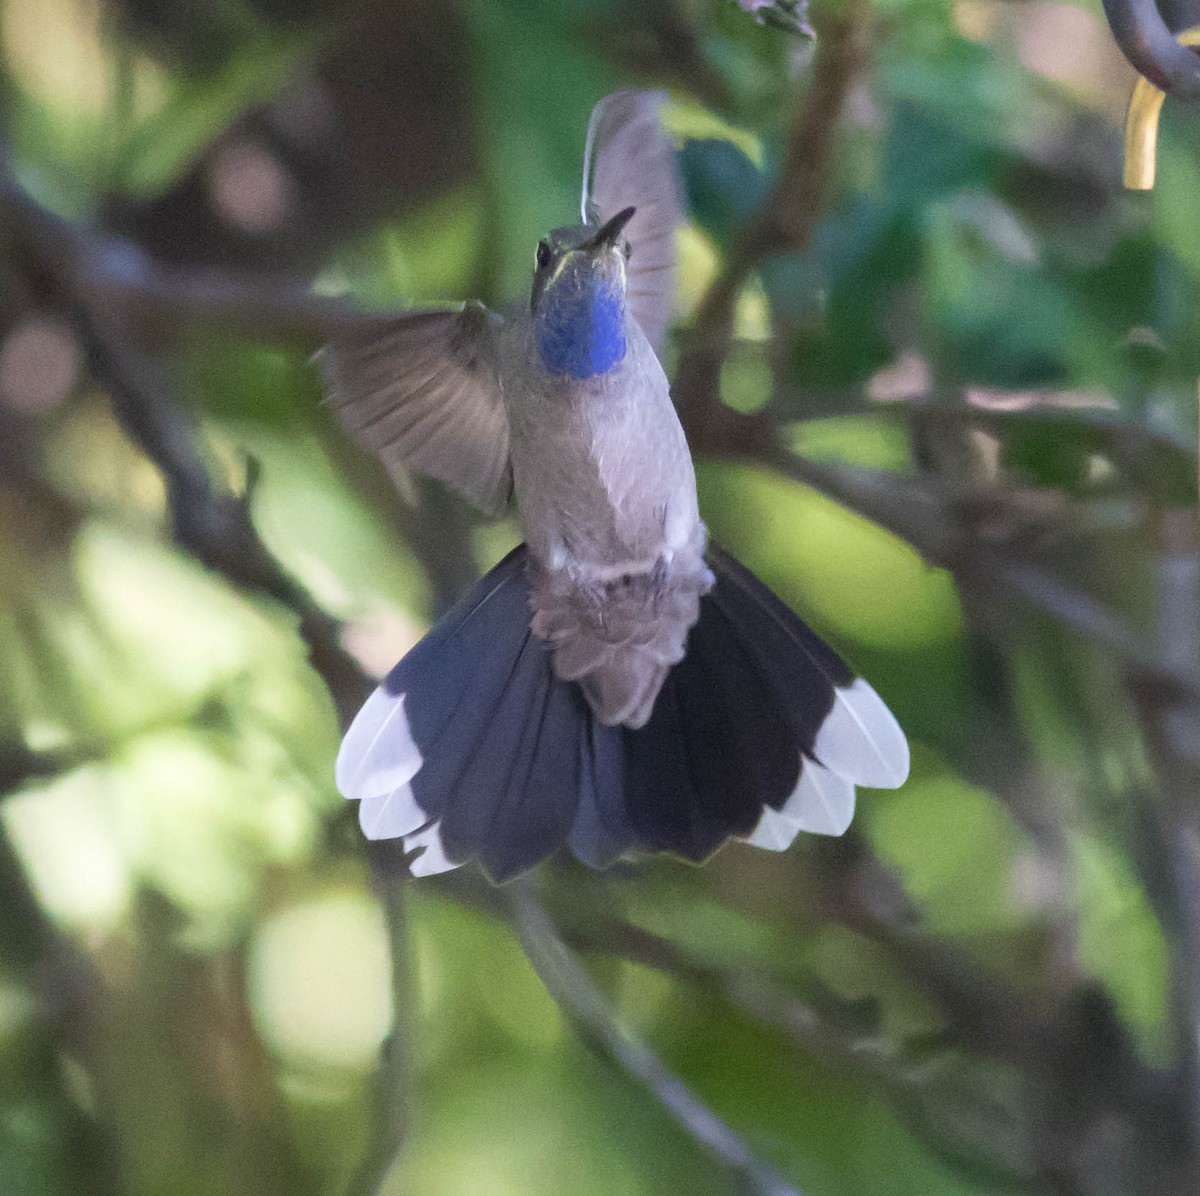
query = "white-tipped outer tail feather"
x=378 y=756
x=859 y=743
x=433 y=858
x=392 y=816
x=861 y=740
x=821 y=804
x=379 y=751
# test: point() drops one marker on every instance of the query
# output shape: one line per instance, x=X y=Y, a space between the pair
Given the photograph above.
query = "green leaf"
x=724 y=187
x=162 y=148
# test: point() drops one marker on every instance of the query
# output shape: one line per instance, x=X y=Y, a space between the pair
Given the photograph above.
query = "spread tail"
x=472 y=749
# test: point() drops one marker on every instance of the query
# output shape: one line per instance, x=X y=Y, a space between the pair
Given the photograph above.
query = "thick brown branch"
x=108 y=287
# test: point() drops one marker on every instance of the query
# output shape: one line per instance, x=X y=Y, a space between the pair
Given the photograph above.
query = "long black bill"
x=610 y=231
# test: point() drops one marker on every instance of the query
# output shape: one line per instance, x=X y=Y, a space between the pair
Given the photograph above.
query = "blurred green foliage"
x=968 y=992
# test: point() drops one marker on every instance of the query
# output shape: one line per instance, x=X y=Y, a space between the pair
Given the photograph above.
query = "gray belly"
x=607 y=497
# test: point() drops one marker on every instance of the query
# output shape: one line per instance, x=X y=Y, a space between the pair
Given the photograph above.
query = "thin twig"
x=832 y=1032
x=912 y=509
x=113 y=270
x=581 y=1000
x=915 y=510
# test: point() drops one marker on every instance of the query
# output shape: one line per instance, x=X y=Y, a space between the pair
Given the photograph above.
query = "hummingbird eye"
x=628 y=251
x=543 y=255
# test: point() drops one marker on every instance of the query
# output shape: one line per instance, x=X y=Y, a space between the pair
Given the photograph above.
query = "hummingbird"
x=617 y=683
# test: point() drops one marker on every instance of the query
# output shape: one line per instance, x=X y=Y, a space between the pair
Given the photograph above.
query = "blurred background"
x=940 y=373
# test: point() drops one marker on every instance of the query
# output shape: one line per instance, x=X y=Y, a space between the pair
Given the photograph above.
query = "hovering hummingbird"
x=616 y=682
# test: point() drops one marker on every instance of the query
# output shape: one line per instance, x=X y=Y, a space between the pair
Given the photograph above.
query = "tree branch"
x=97 y=281
x=914 y=510
x=582 y=1002
x=786 y=221
x=115 y=272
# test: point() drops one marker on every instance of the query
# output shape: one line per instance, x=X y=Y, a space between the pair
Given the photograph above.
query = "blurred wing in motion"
x=630 y=161
x=422 y=392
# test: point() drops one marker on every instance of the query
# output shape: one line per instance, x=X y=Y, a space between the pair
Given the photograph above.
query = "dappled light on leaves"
x=839 y=566
x=55 y=50
x=1122 y=944
x=318 y=982
x=69 y=842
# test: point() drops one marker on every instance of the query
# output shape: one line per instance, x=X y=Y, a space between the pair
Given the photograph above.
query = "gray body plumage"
x=606 y=494
x=615 y=683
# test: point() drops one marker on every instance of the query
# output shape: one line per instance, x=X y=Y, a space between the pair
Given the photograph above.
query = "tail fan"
x=472 y=749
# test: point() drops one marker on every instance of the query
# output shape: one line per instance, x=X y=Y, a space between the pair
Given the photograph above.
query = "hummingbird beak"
x=609 y=232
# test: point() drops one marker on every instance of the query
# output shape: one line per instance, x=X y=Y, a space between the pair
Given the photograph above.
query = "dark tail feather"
x=602 y=832
x=714 y=750
x=424 y=720
x=738 y=742
x=473 y=749
x=839 y=728
x=538 y=809
x=858 y=737
x=470 y=777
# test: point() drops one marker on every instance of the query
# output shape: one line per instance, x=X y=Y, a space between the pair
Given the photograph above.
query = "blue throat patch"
x=581 y=333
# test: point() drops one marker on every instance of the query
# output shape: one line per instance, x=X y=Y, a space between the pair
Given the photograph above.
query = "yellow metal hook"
x=1141 y=124
x=1141 y=143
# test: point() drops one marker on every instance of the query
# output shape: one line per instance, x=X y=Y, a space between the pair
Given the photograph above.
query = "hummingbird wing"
x=422 y=392
x=630 y=161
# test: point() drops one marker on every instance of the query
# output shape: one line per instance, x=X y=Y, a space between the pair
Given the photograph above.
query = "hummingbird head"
x=578 y=299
